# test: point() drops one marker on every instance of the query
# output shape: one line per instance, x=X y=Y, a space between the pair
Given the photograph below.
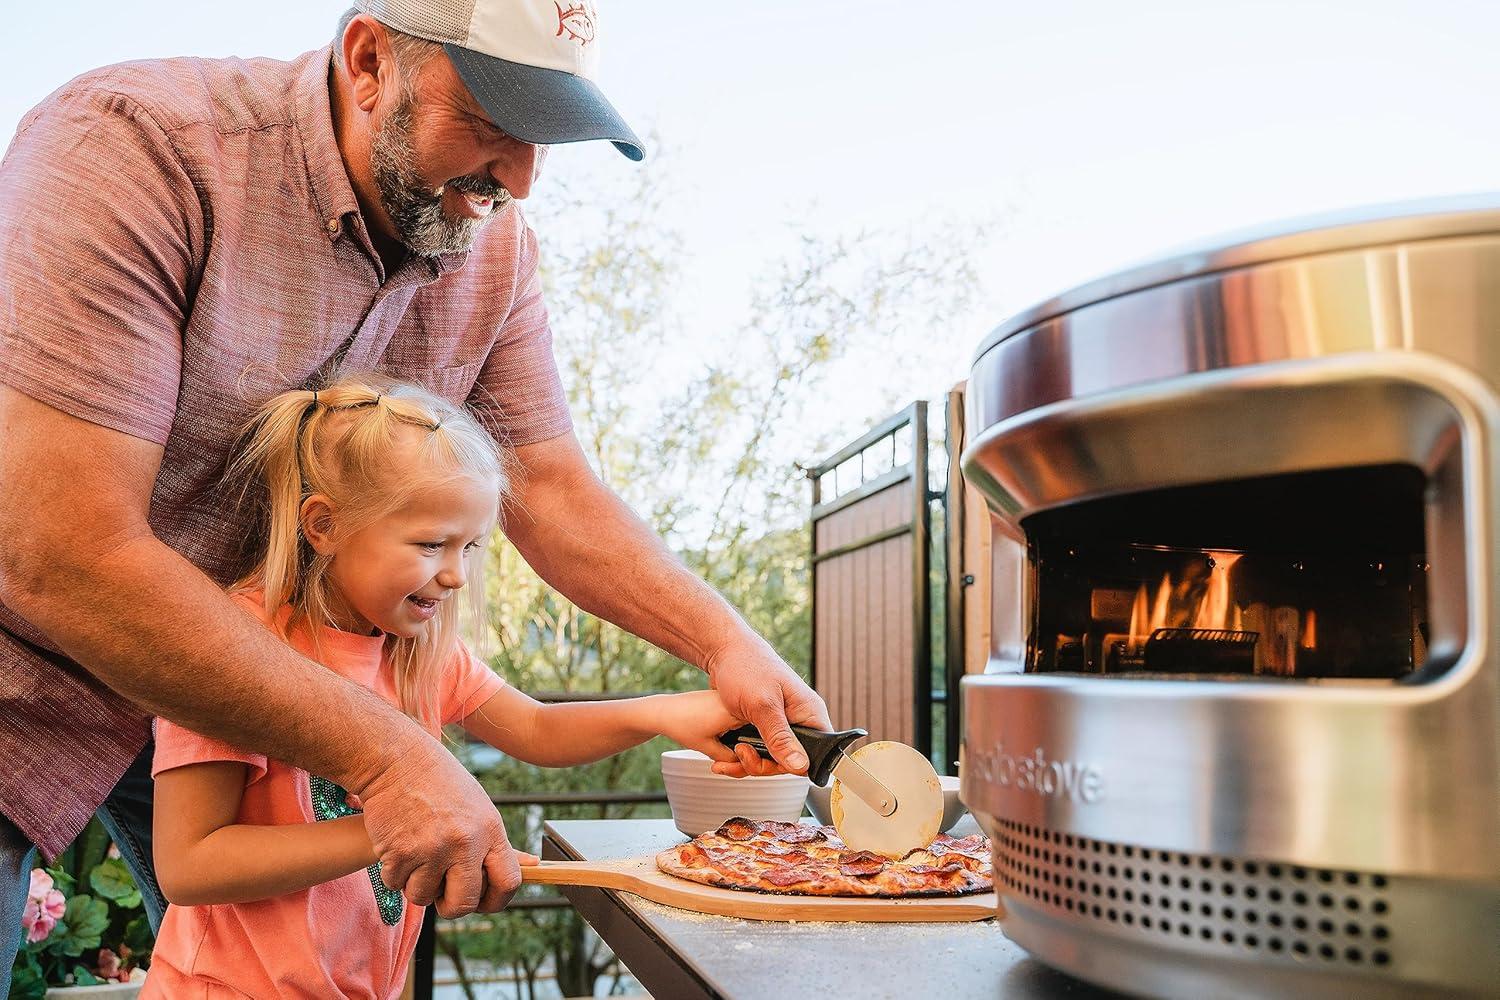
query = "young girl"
x=379 y=497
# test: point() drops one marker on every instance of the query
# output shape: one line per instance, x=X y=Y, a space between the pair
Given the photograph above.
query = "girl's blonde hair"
x=348 y=441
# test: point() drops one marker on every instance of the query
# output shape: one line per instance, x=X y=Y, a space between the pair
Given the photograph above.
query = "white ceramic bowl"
x=702 y=801
x=953 y=809
x=817 y=802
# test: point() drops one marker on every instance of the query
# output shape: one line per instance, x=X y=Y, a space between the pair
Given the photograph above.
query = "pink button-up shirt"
x=179 y=241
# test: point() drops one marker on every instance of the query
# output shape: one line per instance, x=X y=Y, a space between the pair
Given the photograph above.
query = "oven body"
x=1239 y=733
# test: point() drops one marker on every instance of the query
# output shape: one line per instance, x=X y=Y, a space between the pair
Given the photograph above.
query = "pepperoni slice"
x=739 y=828
x=861 y=863
x=796 y=833
x=692 y=856
x=784 y=877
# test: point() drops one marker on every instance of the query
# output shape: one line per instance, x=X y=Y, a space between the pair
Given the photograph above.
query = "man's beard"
x=415 y=209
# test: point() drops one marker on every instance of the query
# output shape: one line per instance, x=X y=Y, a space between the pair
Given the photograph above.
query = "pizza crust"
x=793 y=859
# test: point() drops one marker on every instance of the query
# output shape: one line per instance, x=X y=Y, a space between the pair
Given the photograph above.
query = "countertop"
x=674 y=952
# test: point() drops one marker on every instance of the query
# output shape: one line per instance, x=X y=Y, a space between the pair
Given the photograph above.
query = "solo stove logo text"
x=1062 y=779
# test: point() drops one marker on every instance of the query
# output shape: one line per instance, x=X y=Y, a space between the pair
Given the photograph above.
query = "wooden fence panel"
x=866 y=560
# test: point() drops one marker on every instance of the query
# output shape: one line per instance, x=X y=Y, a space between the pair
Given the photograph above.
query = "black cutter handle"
x=822 y=748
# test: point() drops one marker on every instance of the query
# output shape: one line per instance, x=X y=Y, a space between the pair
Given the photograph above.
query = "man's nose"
x=517 y=166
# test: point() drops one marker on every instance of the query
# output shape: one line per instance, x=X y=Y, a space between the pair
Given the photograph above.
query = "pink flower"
x=44 y=907
x=36 y=923
x=109 y=965
x=41 y=883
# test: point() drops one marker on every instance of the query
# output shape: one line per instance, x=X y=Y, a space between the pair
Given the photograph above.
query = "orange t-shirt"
x=341 y=939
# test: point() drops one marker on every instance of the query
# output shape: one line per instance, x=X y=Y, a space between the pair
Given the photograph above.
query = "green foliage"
x=112 y=880
x=81 y=927
x=27 y=980
x=103 y=921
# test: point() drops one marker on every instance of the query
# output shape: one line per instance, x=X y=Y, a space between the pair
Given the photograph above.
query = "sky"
x=1099 y=133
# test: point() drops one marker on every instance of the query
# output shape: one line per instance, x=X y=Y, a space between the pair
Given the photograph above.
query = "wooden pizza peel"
x=641 y=877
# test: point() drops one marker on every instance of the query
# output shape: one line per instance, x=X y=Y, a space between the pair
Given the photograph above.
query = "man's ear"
x=369 y=62
x=316 y=516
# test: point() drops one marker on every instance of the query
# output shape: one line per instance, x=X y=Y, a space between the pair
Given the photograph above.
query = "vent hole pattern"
x=1294 y=914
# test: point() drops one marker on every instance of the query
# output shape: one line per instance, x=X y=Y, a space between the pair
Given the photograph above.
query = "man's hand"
x=756 y=684
x=438 y=836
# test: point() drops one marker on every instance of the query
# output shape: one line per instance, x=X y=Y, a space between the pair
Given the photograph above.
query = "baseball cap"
x=531 y=64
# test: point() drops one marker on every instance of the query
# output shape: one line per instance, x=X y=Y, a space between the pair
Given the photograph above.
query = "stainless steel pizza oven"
x=1238 y=732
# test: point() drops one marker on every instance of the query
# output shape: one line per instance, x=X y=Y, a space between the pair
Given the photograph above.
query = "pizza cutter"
x=885 y=798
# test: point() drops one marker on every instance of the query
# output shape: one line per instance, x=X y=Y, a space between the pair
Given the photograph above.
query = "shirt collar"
x=325 y=166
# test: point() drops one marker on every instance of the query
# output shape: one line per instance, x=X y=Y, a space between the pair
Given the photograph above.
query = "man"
x=181 y=239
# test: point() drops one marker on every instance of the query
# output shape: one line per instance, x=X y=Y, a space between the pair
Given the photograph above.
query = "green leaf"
x=92 y=845
x=84 y=923
x=138 y=937
x=112 y=880
x=27 y=982
x=83 y=977
x=61 y=880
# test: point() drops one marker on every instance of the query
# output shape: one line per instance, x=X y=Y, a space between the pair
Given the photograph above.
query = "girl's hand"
x=695 y=719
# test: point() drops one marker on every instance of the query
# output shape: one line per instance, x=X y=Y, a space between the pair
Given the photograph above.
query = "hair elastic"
x=315 y=397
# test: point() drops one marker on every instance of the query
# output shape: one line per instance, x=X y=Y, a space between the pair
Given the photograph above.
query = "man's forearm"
x=158 y=631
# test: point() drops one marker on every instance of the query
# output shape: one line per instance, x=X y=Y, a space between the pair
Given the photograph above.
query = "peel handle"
x=822 y=749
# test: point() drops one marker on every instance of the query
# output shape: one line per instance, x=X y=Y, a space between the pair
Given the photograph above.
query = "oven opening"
x=1307 y=575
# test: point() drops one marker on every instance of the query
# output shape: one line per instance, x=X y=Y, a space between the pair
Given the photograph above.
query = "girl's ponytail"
x=269 y=462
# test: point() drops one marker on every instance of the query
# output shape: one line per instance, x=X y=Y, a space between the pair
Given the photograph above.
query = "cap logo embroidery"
x=577 y=20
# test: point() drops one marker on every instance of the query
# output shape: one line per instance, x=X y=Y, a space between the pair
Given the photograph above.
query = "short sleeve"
x=469 y=683
x=97 y=217
x=519 y=394
x=178 y=747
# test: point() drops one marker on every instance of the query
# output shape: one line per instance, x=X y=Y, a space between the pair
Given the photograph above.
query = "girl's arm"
x=203 y=856
x=580 y=732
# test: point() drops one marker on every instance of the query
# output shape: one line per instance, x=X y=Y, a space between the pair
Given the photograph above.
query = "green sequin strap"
x=329 y=801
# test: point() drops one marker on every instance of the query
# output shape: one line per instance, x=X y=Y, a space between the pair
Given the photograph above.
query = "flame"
x=1281 y=630
x=1148 y=613
x=1138 y=618
x=1152 y=610
x=1213 y=610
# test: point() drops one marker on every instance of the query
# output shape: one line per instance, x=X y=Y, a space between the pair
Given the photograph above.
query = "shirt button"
x=333 y=225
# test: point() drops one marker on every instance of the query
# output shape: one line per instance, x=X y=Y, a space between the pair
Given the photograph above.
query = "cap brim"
x=542 y=106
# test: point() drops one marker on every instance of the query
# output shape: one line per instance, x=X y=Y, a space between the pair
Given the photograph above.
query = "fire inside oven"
x=1309 y=575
